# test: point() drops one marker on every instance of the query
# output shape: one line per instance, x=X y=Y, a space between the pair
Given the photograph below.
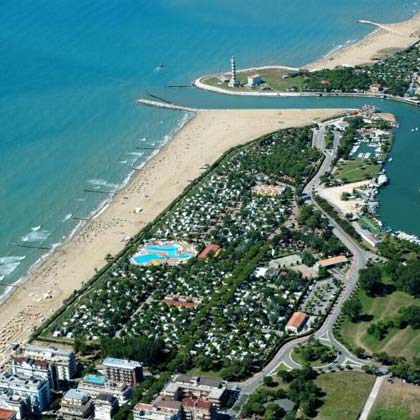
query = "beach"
x=201 y=141
x=381 y=43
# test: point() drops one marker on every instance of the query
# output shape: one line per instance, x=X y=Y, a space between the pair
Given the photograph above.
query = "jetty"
x=167 y=105
x=44 y=248
x=381 y=26
x=99 y=191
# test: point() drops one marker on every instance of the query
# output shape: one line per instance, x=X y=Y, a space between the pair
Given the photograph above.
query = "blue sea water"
x=71 y=72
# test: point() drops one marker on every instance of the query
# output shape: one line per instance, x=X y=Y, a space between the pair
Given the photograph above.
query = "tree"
x=80 y=345
x=352 y=308
x=411 y=316
x=370 y=280
x=409 y=278
x=273 y=412
x=268 y=381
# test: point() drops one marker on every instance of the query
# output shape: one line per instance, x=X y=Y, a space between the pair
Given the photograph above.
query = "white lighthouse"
x=233 y=81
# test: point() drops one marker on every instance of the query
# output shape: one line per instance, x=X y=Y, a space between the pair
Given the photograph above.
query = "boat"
x=390 y=159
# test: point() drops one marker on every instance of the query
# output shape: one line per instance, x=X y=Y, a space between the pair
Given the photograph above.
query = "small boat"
x=390 y=159
x=159 y=67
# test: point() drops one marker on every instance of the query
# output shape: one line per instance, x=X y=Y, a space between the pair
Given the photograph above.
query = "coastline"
x=96 y=212
x=386 y=37
x=205 y=136
x=383 y=41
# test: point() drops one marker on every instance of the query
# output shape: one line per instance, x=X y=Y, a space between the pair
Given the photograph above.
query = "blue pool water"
x=71 y=72
x=169 y=251
x=95 y=379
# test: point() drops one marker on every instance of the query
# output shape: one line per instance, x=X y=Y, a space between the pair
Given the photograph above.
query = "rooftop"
x=121 y=363
x=200 y=403
x=297 y=319
x=210 y=248
x=333 y=261
x=74 y=394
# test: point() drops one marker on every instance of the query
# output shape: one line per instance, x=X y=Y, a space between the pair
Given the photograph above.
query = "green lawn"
x=345 y=394
x=357 y=170
x=202 y=373
x=405 y=342
x=397 y=401
x=272 y=78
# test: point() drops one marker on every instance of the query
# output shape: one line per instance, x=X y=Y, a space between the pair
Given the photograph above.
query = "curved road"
x=325 y=332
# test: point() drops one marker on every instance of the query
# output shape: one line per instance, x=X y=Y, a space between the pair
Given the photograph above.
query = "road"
x=325 y=332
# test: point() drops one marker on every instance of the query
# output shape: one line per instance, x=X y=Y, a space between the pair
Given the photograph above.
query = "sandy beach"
x=383 y=42
x=202 y=140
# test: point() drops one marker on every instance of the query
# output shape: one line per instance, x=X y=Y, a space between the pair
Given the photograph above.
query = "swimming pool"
x=160 y=253
x=95 y=379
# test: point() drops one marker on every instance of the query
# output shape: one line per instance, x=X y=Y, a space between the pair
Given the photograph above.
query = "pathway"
x=372 y=398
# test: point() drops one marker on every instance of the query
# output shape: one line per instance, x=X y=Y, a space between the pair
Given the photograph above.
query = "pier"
x=167 y=105
x=99 y=191
x=43 y=248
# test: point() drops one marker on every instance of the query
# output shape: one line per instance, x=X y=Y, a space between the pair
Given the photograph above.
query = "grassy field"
x=397 y=401
x=405 y=342
x=202 y=373
x=345 y=394
x=357 y=170
x=272 y=78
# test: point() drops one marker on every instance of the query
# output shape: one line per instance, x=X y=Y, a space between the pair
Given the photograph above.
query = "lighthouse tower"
x=233 y=81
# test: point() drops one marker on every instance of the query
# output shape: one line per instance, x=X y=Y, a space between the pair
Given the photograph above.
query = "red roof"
x=36 y=362
x=297 y=320
x=7 y=414
x=211 y=248
x=333 y=261
x=179 y=304
x=200 y=404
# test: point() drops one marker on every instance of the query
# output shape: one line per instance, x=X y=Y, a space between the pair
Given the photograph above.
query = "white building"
x=64 y=360
x=28 y=368
x=105 y=406
x=36 y=392
x=76 y=405
x=95 y=385
x=254 y=80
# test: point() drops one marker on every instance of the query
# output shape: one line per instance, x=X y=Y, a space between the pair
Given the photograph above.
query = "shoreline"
x=96 y=212
x=386 y=37
x=205 y=136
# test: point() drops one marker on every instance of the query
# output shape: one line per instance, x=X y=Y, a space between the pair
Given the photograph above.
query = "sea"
x=71 y=132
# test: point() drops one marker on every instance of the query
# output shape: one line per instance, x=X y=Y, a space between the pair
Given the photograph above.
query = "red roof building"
x=296 y=322
x=213 y=248
x=198 y=409
x=330 y=262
